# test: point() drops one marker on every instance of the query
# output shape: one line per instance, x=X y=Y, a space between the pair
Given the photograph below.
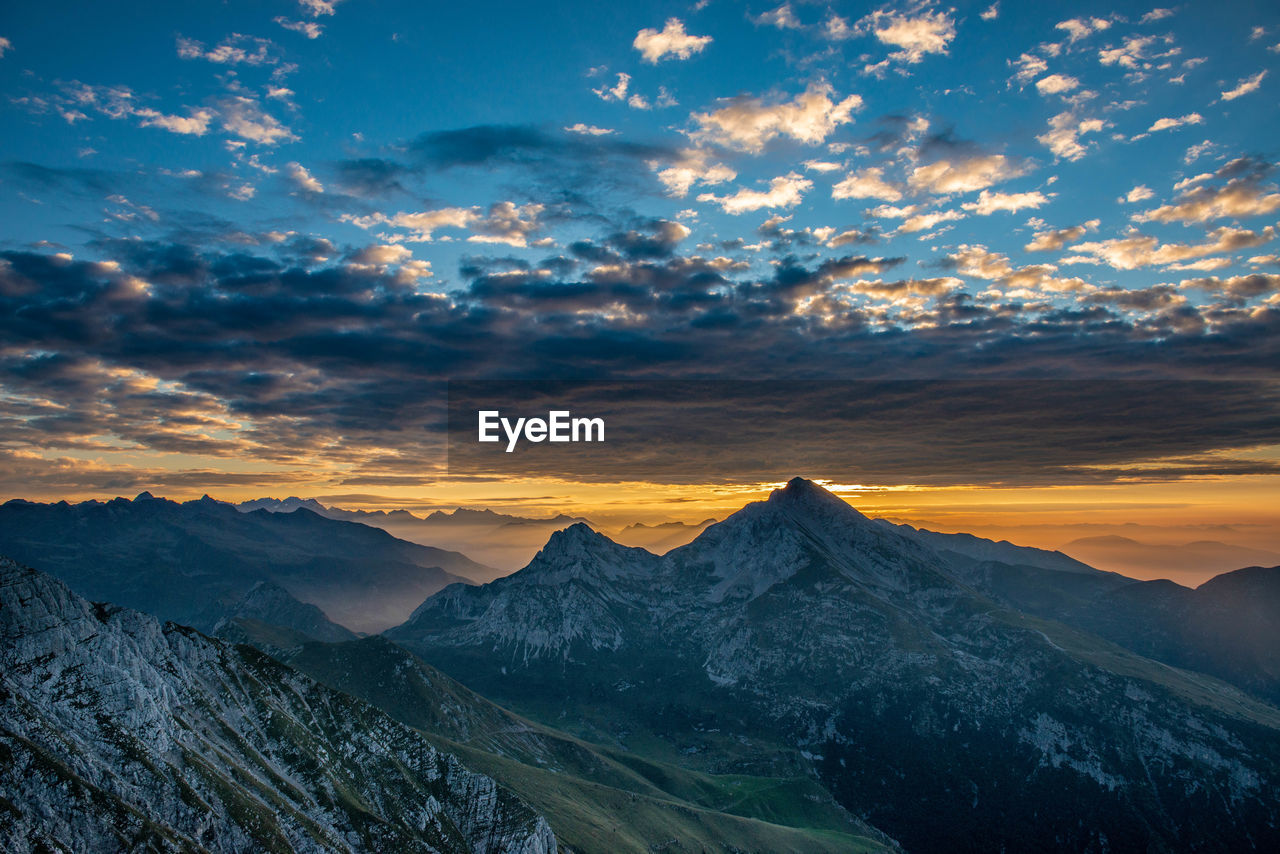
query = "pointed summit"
x=806 y=496
x=144 y=496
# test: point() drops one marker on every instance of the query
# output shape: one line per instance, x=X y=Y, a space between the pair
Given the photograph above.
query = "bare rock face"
x=119 y=733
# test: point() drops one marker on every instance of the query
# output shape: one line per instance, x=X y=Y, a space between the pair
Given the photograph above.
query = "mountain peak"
x=144 y=496
x=803 y=493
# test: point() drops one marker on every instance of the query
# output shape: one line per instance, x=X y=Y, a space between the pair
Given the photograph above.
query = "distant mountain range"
x=120 y=734
x=1188 y=563
x=195 y=562
x=896 y=661
x=497 y=539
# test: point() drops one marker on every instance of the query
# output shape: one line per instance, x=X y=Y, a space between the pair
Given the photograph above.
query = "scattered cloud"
x=747 y=123
x=1241 y=197
x=245 y=118
x=236 y=49
x=1065 y=130
x=1054 y=239
x=5 y=46
x=1056 y=84
x=589 y=130
x=1245 y=86
x=964 y=174
x=1177 y=122
x=991 y=12
x=784 y=192
x=1138 y=194
x=988 y=202
x=303 y=179
x=1078 y=28
x=915 y=35
x=1138 y=250
x=694 y=166
x=867 y=184
x=782 y=18
x=671 y=41
x=310 y=29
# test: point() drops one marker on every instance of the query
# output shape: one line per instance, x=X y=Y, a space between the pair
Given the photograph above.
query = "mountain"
x=1189 y=563
x=119 y=733
x=599 y=800
x=194 y=562
x=947 y=719
x=268 y=604
x=662 y=538
x=497 y=539
x=962 y=549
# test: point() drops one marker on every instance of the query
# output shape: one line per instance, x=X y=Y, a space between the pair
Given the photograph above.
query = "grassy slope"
x=597 y=799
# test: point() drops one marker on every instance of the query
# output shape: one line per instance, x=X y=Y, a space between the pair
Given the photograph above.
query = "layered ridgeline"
x=928 y=705
x=500 y=539
x=118 y=733
x=196 y=562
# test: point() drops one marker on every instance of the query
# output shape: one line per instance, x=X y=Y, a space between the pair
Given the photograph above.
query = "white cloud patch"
x=1238 y=199
x=1078 y=28
x=303 y=179
x=1139 y=250
x=5 y=46
x=1176 y=122
x=1029 y=66
x=1137 y=194
x=747 y=123
x=1128 y=55
x=316 y=8
x=867 y=184
x=618 y=91
x=989 y=202
x=784 y=192
x=1056 y=84
x=915 y=35
x=194 y=124
x=310 y=29
x=245 y=118
x=589 y=130
x=505 y=222
x=236 y=49
x=991 y=12
x=1247 y=85
x=1054 y=239
x=695 y=166
x=1155 y=15
x=671 y=40
x=782 y=18
x=964 y=174
x=1065 y=130
x=924 y=221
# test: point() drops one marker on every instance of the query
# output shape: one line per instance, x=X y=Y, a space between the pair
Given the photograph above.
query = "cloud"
x=1054 y=239
x=694 y=166
x=589 y=130
x=1168 y=123
x=915 y=35
x=925 y=221
x=671 y=41
x=303 y=179
x=1138 y=250
x=1129 y=55
x=1078 y=28
x=1245 y=86
x=988 y=202
x=5 y=46
x=991 y=12
x=784 y=192
x=245 y=118
x=237 y=49
x=1056 y=84
x=747 y=123
x=1155 y=15
x=505 y=222
x=964 y=173
x=617 y=92
x=1138 y=194
x=867 y=184
x=782 y=18
x=310 y=29
x=316 y=8
x=1239 y=198
x=195 y=124
x=1028 y=67
x=1237 y=288
x=422 y=225
x=1065 y=130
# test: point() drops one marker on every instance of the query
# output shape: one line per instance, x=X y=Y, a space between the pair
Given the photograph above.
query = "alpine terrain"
x=119 y=733
x=926 y=701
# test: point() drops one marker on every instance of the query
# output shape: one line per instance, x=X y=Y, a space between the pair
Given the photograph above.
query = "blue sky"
x=237 y=228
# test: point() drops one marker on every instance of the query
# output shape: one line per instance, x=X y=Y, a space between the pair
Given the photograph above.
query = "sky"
x=247 y=247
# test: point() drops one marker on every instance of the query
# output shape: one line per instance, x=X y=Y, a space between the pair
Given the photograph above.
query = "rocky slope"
x=944 y=717
x=194 y=562
x=119 y=733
